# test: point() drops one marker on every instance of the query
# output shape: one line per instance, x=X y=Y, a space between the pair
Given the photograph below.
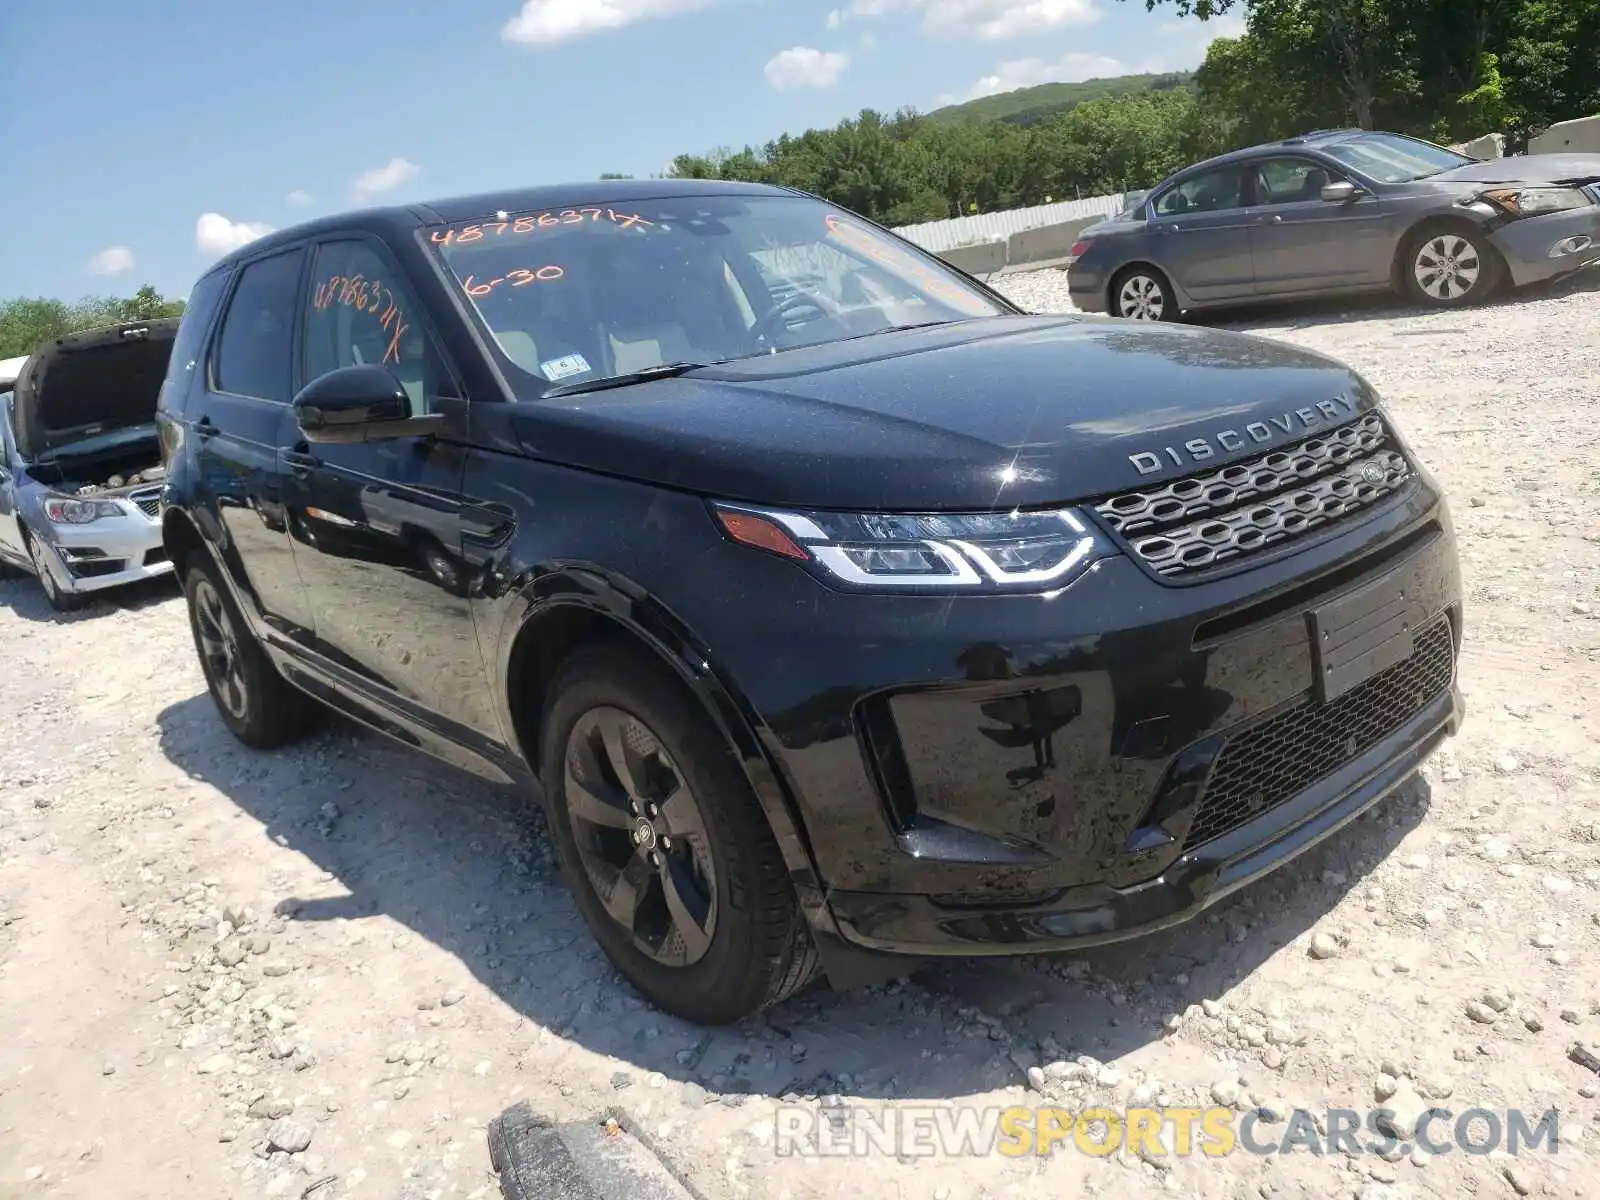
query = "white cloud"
x=835 y=18
x=803 y=67
x=393 y=174
x=546 y=22
x=1029 y=72
x=215 y=234
x=113 y=260
x=1198 y=35
x=299 y=197
x=986 y=20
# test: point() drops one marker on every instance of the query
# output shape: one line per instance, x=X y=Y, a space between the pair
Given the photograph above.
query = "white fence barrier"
x=1017 y=238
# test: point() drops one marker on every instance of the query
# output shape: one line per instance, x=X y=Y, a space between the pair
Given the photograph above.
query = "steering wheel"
x=767 y=326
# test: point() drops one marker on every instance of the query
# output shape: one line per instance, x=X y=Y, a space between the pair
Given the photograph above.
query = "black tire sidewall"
x=274 y=712
x=730 y=980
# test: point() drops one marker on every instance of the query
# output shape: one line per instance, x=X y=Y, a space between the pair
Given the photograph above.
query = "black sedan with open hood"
x=80 y=475
x=840 y=611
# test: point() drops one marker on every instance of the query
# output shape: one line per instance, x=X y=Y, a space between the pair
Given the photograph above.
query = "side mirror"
x=359 y=404
x=1340 y=193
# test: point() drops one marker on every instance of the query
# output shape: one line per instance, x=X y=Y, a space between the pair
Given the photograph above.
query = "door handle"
x=300 y=462
x=204 y=429
x=1274 y=219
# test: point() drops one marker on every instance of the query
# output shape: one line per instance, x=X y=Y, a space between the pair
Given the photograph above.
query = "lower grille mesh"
x=1278 y=759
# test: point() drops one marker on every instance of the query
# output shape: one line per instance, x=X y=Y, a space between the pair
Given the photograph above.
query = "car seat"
x=1316 y=179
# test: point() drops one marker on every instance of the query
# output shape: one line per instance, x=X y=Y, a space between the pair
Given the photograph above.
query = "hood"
x=1529 y=168
x=90 y=383
x=994 y=413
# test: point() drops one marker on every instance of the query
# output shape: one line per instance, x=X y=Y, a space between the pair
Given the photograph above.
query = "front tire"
x=1447 y=266
x=664 y=845
x=1143 y=294
x=62 y=602
x=259 y=707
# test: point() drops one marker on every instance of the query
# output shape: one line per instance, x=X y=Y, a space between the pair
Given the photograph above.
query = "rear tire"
x=259 y=707
x=1450 y=266
x=650 y=809
x=1142 y=293
x=62 y=602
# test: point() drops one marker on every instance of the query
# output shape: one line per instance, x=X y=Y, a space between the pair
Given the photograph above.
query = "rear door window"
x=187 y=346
x=255 y=349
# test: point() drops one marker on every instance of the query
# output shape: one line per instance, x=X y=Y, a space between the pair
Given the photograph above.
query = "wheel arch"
x=182 y=539
x=574 y=607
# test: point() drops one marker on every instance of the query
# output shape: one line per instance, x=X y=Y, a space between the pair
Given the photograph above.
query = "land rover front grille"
x=1282 y=756
x=1205 y=522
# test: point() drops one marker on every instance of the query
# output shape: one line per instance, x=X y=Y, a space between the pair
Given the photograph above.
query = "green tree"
x=27 y=323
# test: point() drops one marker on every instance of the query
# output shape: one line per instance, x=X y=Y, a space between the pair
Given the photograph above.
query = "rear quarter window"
x=188 y=346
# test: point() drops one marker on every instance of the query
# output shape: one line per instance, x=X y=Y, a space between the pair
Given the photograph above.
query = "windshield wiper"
x=626 y=379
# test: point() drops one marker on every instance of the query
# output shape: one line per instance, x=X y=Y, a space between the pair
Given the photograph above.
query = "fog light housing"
x=1571 y=245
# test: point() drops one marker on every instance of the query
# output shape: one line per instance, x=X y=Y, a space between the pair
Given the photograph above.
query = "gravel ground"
x=318 y=973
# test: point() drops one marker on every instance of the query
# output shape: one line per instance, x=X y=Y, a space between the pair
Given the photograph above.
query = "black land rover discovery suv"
x=840 y=610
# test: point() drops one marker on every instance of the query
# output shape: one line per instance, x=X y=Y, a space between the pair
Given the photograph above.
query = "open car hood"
x=90 y=383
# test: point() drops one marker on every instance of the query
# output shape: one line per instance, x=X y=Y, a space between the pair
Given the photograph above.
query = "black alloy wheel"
x=255 y=702
x=664 y=844
x=640 y=836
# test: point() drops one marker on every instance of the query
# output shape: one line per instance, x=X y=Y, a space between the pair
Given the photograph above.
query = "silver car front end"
x=110 y=550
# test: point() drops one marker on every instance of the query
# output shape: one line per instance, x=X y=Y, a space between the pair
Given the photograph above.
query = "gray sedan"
x=1341 y=212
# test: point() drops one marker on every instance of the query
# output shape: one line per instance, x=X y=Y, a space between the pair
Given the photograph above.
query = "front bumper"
x=1021 y=773
x=1095 y=914
x=107 y=553
x=1539 y=249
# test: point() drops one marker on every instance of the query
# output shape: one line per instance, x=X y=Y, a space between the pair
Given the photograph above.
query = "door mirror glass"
x=1341 y=192
x=363 y=403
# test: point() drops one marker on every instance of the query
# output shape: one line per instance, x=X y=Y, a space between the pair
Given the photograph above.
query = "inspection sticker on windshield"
x=560 y=368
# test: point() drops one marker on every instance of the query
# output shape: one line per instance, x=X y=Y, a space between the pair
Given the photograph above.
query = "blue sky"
x=144 y=140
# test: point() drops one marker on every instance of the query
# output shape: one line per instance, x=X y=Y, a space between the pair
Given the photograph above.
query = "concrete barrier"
x=1032 y=247
x=1581 y=136
x=1489 y=146
x=983 y=259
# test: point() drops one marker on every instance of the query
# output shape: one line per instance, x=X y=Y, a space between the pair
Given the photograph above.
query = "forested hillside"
x=1440 y=69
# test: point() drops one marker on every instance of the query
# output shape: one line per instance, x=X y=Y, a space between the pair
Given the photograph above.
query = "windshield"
x=1390 y=158
x=589 y=293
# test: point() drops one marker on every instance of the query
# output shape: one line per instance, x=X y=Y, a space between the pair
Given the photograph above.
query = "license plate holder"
x=1362 y=633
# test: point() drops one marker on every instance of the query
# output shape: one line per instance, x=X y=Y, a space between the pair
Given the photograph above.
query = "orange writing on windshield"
x=466 y=235
x=371 y=297
x=521 y=277
x=886 y=253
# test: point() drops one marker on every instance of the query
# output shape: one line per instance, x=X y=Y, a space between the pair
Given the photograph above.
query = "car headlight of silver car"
x=961 y=552
x=69 y=510
x=1535 y=201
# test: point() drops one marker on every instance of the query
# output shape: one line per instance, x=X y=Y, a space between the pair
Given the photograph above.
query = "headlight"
x=69 y=510
x=1532 y=201
x=1010 y=551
